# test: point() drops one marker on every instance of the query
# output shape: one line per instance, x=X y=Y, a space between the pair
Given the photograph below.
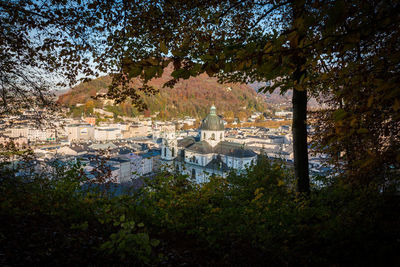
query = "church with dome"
x=211 y=155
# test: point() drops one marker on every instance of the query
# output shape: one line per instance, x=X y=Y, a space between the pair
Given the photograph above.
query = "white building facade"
x=107 y=133
x=212 y=155
x=79 y=132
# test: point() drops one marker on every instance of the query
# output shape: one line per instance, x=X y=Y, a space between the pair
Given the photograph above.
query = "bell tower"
x=169 y=146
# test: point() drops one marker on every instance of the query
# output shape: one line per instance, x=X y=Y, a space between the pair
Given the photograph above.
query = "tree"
x=236 y=41
x=229 y=114
x=360 y=82
x=332 y=47
x=43 y=46
x=242 y=116
x=260 y=118
x=89 y=106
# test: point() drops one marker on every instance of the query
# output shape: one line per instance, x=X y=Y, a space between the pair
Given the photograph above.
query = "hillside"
x=191 y=97
x=277 y=98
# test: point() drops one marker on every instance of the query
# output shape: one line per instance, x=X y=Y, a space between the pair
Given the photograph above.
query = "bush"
x=53 y=220
x=250 y=218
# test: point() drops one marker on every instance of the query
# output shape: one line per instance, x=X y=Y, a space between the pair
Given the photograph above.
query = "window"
x=213 y=136
x=204 y=136
x=193 y=173
x=165 y=151
x=173 y=152
x=220 y=136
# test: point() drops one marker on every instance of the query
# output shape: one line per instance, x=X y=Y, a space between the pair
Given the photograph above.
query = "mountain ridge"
x=191 y=97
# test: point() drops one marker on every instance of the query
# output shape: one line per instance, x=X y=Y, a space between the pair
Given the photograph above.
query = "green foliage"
x=259 y=217
x=116 y=109
x=130 y=240
x=76 y=112
x=249 y=218
x=42 y=49
x=55 y=220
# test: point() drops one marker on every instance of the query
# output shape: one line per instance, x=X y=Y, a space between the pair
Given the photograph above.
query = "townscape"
x=142 y=146
x=199 y=133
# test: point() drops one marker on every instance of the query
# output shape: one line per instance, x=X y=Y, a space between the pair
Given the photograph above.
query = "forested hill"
x=192 y=97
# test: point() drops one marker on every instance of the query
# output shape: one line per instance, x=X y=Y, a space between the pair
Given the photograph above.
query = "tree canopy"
x=346 y=50
x=43 y=46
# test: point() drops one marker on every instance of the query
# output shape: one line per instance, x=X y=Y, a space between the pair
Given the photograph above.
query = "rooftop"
x=212 y=122
x=224 y=148
x=217 y=164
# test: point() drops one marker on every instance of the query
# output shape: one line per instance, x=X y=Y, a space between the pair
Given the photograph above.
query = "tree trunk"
x=299 y=102
x=300 y=150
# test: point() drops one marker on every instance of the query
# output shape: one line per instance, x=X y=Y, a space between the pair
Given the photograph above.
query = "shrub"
x=249 y=218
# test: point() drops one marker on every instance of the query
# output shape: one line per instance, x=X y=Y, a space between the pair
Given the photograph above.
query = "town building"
x=210 y=155
x=80 y=132
x=136 y=130
x=106 y=133
x=90 y=120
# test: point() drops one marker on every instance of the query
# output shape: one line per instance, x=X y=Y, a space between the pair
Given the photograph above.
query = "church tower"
x=212 y=128
x=169 y=146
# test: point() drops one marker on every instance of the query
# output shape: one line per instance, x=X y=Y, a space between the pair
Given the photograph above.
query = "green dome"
x=212 y=122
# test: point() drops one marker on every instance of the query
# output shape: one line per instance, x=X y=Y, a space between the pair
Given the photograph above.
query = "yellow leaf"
x=258 y=190
x=258 y=196
x=268 y=48
x=353 y=122
x=362 y=131
x=163 y=47
x=370 y=99
x=396 y=105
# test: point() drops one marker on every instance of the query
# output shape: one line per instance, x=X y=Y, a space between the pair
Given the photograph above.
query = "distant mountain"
x=191 y=97
x=277 y=98
x=60 y=92
x=273 y=98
